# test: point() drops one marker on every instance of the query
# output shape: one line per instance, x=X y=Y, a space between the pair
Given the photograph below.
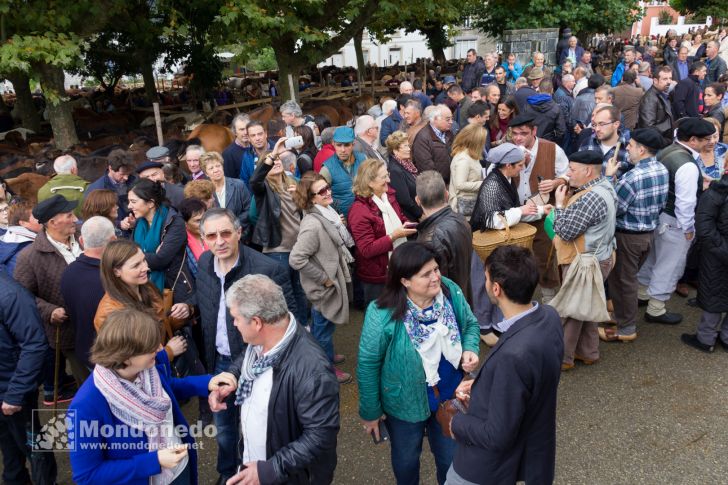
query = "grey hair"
x=388 y=106
x=363 y=123
x=437 y=112
x=431 y=190
x=239 y=117
x=216 y=212
x=522 y=81
x=195 y=148
x=405 y=84
x=256 y=295
x=97 y=232
x=567 y=77
x=415 y=103
x=327 y=136
x=292 y=107
x=64 y=164
x=288 y=158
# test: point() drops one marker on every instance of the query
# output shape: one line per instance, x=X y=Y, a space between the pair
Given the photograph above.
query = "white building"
x=407 y=47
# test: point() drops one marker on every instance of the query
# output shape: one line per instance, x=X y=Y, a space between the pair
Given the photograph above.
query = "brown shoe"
x=490 y=339
x=611 y=335
x=585 y=361
x=682 y=289
x=565 y=366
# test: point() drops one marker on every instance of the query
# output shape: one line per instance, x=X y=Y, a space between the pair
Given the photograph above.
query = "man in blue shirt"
x=259 y=146
x=623 y=66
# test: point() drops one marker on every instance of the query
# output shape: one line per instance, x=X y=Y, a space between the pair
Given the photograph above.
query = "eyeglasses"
x=602 y=125
x=324 y=190
x=225 y=234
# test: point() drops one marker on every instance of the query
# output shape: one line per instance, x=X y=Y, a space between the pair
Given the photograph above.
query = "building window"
x=462 y=46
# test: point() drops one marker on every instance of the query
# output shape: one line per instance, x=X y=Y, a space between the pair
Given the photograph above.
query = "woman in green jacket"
x=418 y=339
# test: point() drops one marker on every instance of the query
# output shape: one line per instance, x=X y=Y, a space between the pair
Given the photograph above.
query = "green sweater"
x=390 y=374
x=68 y=185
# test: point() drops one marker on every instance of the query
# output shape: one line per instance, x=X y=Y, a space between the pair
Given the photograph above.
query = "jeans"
x=15 y=433
x=299 y=296
x=227 y=423
x=323 y=331
x=406 y=448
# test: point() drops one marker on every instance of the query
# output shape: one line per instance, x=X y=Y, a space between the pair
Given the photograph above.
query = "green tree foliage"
x=302 y=33
x=718 y=9
x=495 y=16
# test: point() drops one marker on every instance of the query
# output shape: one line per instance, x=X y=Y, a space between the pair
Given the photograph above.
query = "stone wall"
x=523 y=42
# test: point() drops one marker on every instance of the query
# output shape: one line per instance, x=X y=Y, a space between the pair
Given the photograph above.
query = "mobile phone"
x=540 y=178
x=293 y=142
x=383 y=433
x=410 y=225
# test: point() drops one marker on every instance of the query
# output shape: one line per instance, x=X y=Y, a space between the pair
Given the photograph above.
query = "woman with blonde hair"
x=322 y=258
x=279 y=219
x=466 y=173
x=403 y=174
x=377 y=224
x=229 y=193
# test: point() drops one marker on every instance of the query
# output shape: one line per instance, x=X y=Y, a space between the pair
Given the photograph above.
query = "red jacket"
x=326 y=152
x=372 y=243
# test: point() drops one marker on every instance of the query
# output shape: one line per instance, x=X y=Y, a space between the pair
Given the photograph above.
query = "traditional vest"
x=544 y=166
x=341 y=180
x=598 y=239
x=674 y=157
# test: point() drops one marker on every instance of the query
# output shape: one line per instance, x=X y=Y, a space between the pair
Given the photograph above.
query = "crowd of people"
x=228 y=286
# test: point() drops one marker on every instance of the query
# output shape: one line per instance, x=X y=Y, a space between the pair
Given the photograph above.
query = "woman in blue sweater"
x=125 y=424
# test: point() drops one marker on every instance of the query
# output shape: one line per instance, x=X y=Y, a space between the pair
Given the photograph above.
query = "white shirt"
x=254 y=418
x=686 y=197
x=69 y=253
x=561 y=167
x=221 y=197
x=222 y=344
x=580 y=84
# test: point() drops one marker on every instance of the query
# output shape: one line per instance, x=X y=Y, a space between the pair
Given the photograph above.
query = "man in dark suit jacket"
x=509 y=431
x=687 y=98
x=655 y=110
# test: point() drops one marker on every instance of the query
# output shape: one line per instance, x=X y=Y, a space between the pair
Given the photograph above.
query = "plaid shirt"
x=588 y=211
x=623 y=158
x=641 y=195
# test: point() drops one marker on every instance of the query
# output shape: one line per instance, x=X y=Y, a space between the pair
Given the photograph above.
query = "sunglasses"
x=225 y=234
x=324 y=190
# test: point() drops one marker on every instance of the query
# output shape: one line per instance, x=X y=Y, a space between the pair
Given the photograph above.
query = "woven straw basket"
x=485 y=242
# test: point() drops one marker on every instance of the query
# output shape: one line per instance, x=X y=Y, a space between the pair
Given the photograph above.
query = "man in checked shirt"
x=584 y=224
x=641 y=195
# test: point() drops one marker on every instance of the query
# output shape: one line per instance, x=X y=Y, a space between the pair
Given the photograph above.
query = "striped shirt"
x=641 y=195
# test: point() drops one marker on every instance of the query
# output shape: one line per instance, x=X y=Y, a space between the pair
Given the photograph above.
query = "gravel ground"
x=650 y=412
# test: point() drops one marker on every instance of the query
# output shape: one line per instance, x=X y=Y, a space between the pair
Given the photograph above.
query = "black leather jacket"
x=656 y=112
x=303 y=416
x=450 y=235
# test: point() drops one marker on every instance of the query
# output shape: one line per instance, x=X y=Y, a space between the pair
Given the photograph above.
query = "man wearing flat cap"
x=641 y=196
x=39 y=269
x=545 y=169
x=584 y=224
x=341 y=168
x=665 y=264
x=152 y=170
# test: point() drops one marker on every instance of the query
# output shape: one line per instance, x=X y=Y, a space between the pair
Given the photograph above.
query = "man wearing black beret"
x=665 y=264
x=584 y=224
x=641 y=196
x=546 y=166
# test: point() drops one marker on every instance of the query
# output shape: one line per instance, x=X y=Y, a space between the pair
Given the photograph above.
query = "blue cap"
x=344 y=134
x=157 y=152
x=449 y=80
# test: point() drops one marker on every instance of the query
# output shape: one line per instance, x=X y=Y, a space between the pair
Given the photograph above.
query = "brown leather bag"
x=446 y=410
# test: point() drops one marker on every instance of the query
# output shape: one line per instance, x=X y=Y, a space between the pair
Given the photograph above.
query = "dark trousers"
x=15 y=436
x=632 y=251
x=406 y=448
x=227 y=422
x=371 y=292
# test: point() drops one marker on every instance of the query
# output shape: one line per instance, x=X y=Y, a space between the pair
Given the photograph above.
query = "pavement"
x=652 y=411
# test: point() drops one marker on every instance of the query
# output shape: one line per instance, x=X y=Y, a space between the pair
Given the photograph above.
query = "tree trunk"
x=59 y=110
x=26 y=110
x=150 y=86
x=288 y=71
x=437 y=41
x=361 y=70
